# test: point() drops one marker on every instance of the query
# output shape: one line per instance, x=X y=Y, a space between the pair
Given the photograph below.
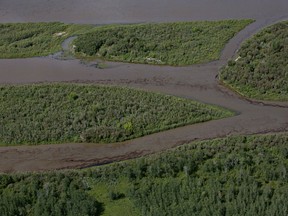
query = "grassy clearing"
x=176 y=44
x=239 y=175
x=58 y=113
x=113 y=198
x=260 y=68
x=21 y=40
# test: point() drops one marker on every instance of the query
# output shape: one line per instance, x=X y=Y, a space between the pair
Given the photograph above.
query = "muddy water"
x=195 y=82
x=115 y=11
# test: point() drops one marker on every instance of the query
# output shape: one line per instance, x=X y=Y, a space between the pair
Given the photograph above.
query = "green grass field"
x=176 y=44
x=260 y=68
x=22 y=40
x=59 y=113
x=239 y=175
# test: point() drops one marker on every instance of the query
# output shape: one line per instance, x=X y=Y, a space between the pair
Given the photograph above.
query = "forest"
x=260 y=69
x=236 y=175
x=59 y=113
x=177 y=44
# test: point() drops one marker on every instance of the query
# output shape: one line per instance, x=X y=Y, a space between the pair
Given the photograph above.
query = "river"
x=196 y=82
x=127 y=11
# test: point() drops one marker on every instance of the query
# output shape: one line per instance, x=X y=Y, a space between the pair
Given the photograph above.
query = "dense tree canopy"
x=260 y=69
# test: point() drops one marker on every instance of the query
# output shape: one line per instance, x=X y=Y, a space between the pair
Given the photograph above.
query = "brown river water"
x=196 y=82
x=127 y=11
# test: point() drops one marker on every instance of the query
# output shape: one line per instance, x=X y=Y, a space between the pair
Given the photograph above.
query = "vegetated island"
x=176 y=44
x=236 y=175
x=182 y=43
x=59 y=113
x=260 y=69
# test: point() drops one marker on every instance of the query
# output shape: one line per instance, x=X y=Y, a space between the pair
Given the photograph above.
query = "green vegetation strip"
x=177 y=44
x=21 y=40
x=182 y=43
x=58 y=113
x=241 y=175
x=260 y=69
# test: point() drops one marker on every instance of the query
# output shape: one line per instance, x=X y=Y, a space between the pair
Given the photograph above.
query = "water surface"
x=127 y=11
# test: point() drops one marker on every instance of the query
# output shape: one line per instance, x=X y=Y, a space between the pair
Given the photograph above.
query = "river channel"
x=198 y=82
